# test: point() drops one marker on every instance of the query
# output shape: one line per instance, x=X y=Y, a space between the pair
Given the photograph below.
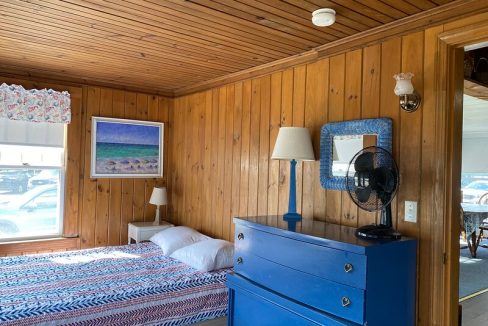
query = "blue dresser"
x=319 y=275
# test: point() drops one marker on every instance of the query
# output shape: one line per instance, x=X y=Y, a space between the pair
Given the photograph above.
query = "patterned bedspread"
x=125 y=285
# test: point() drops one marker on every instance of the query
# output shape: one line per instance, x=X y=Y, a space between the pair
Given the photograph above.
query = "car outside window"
x=31 y=192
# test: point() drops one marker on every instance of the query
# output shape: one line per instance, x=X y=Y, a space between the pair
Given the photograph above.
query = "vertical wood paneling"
x=245 y=148
x=274 y=126
x=115 y=205
x=308 y=167
x=219 y=209
x=88 y=221
x=264 y=155
x=207 y=165
x=254 y=147
x=410 y=142
x=73 y=165
x=299 y=86
x=430 y=280
x=236 y=155
x=335 y=113
x=150 y=210
x=286 y=121
x=320 y=108
x=103 y=185
x=370 y=101
x=352 y=111
x=389 y=106
x=227 y=180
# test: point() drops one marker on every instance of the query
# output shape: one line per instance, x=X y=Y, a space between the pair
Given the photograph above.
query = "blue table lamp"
x=293 y=144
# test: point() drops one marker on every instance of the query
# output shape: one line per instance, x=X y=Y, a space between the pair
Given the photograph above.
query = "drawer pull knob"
x=345 y=301
x=348 y=268
x=240 y=236
x=239 y=260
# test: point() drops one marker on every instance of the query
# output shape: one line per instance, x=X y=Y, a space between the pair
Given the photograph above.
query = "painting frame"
x=112 y=136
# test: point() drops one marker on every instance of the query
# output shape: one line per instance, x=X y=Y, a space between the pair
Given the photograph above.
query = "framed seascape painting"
x=126 y=148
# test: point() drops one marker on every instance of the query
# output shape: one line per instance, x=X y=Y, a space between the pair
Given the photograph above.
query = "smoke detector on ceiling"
x=323 y=17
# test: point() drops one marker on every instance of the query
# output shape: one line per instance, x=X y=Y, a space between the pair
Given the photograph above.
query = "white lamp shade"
x=159 y=196
x=293 y=143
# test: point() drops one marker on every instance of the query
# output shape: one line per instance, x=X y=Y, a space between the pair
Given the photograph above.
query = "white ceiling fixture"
x=323 y=17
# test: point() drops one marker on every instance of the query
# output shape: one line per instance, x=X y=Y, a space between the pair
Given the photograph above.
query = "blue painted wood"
x=316 y=232
x=292 y=217
x=254 y=305
x=304 y=256
x=381 y=127
x=320 y=293
x=280 y=267
x=392 y=269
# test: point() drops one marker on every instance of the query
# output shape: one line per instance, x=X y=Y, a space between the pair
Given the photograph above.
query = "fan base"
x=377 y=232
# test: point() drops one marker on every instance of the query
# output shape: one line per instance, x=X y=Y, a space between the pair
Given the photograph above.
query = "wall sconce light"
x=409 y=99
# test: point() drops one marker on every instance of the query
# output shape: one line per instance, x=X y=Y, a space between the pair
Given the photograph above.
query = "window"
x=31 y=180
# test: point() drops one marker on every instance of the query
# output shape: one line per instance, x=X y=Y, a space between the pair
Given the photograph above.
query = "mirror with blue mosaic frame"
x=340 y=141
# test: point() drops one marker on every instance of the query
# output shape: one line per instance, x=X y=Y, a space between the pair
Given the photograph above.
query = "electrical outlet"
x=411 y=211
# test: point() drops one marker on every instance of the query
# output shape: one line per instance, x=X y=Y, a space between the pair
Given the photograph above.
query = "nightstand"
x=140 y=231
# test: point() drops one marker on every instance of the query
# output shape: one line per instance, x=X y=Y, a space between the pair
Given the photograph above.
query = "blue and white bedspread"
x=125 y=285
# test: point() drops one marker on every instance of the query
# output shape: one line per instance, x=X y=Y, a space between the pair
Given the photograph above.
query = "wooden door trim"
x=447 y=196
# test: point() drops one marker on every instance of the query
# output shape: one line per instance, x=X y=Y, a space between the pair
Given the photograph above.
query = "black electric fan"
x=372 y=182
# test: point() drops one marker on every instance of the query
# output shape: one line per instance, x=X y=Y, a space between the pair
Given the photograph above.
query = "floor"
x=475 y=312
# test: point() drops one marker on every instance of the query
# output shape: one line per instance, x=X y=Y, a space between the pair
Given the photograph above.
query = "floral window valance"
x=35 y=105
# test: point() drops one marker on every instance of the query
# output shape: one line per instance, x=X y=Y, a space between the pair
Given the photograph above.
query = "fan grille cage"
x=381 y=158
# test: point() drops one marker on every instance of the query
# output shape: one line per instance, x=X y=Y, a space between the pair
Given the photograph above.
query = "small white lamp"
x=158 y=197
x=294 y=144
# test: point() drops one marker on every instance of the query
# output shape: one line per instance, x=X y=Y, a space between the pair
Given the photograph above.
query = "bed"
x=124 y=285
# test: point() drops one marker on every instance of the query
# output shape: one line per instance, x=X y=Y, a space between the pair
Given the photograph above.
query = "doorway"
x=473 y=260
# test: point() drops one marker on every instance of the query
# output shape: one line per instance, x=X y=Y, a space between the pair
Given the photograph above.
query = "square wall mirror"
x=340 y=141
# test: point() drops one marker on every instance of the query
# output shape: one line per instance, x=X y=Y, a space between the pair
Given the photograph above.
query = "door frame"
x=447 y=190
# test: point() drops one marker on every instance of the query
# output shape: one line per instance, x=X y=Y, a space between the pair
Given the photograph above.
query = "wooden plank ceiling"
x=165 y=45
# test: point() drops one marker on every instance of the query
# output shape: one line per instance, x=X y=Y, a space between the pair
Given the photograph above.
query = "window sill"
x=21 y=247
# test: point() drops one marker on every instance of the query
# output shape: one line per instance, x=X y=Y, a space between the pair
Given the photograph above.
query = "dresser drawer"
x=328 y=263
x=249 y=305
x=325 y=295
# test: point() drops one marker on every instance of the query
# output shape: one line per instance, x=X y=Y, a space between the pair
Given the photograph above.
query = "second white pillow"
x=207 y=255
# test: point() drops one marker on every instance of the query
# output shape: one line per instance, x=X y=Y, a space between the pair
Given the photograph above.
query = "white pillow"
x=207 y=255
x=177 y=237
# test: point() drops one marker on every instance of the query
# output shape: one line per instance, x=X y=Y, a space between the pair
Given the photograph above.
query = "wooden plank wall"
x=227 y=136
x=97 y=211
x=224 y=138
x=108 y=205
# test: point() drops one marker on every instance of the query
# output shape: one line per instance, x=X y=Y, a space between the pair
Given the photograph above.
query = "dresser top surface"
x=334 y=235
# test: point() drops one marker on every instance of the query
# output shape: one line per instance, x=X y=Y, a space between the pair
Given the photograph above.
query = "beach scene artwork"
x=126 y=148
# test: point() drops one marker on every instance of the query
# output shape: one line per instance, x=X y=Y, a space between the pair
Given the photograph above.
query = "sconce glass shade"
x=404 y=84
x=409 y=99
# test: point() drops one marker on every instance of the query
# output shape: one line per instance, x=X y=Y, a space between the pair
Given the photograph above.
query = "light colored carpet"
x=473 y=272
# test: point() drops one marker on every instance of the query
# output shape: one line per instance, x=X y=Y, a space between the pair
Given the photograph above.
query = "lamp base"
x=292 y=219
x=410 y=102
x=156 y=218
x=377 y=232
